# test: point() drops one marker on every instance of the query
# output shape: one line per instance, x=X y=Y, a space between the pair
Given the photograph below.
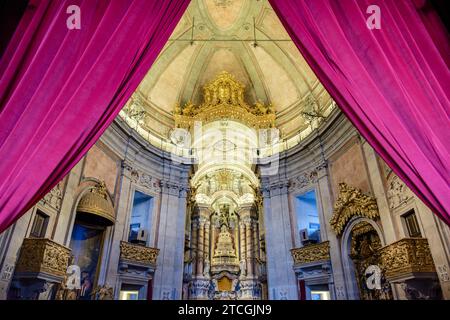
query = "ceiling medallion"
x=224 y=100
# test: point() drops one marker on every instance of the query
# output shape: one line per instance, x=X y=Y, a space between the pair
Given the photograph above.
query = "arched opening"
x=361 y=243
x=94 y=213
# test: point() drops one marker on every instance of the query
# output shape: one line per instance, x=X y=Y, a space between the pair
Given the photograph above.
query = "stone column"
x=169 y=272
x=194 y=244
x=65 y=219
x=201 y=234
x=255 y=240
x=434 y=231
x=243 y=246
x=16 y=233
x=249 y=249
x=206 y=247
x=379 y=193
x=325 y=198
x=281 y=279
x=124 y=204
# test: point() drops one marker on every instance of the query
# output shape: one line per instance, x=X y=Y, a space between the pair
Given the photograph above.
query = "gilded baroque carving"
x=352 y=202
x=103 y=293
x=43 y=255
x=96 y=202
x=312 y=253
x=398 y=193
x=139 y=254
x=408 y=255
x=224 y=99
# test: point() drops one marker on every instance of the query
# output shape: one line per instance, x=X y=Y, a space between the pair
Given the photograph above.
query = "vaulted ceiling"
x=223 y=33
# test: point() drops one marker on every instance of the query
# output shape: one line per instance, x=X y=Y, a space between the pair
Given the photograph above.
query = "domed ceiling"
x=219 y=35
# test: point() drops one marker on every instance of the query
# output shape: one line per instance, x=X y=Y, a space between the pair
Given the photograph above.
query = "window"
x=39 y=225
x=308 y=223
x=320 y=295
x=412 y=225
x=129 y=295
x=140 y=222
x=317 y=292
x=130 y=292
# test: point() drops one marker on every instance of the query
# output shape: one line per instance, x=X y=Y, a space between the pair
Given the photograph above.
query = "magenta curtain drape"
x=60 y=88
x=392 y=83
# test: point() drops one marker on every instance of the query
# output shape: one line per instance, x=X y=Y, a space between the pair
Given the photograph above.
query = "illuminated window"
x=129 y=295
x=320 y=295
x=140 y=222
x=130 y=292
x=308 y=218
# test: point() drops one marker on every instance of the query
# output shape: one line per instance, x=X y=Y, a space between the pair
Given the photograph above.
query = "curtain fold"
x=393 y=83
x=61 y=88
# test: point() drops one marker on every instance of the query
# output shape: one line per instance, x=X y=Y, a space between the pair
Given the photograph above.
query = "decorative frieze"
x=407 y=256
x=141 y=178
x=313 y=253
x=134 y=253
x=352 y=202
x=304 y=180
x=43 y=256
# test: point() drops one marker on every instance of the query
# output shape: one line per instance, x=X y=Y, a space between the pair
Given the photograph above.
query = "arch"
x=347 y=263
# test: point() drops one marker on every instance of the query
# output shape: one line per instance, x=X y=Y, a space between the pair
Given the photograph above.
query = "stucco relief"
x=398 y=193
x=54 y=197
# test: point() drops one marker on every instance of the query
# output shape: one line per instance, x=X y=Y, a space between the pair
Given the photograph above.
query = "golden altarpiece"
x=224 y=251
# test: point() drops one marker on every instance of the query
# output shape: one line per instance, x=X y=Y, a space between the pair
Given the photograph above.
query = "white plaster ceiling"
x=273 y=71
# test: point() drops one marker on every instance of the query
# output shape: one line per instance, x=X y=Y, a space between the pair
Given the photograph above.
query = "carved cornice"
x=312 y=253
x=275 y=188
x=173 y=188
x=133 y=253
x=407 y=256
x=352 y=202
x=43 y=255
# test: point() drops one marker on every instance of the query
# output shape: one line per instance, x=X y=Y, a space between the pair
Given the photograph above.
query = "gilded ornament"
x=352 y=202
x=138 y=254
x=96 y=202
x=224 y=99
x=406 y=256
x=43 y=255
x=312 y=253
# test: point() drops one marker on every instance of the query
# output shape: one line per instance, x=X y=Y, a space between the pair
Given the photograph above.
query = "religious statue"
x=223 y=216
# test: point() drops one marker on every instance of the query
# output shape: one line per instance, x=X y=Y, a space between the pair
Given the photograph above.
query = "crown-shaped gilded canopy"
x=224 y=100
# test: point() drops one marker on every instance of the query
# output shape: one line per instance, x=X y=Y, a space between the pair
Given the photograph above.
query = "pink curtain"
x=392 y=83
x=60 y=89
